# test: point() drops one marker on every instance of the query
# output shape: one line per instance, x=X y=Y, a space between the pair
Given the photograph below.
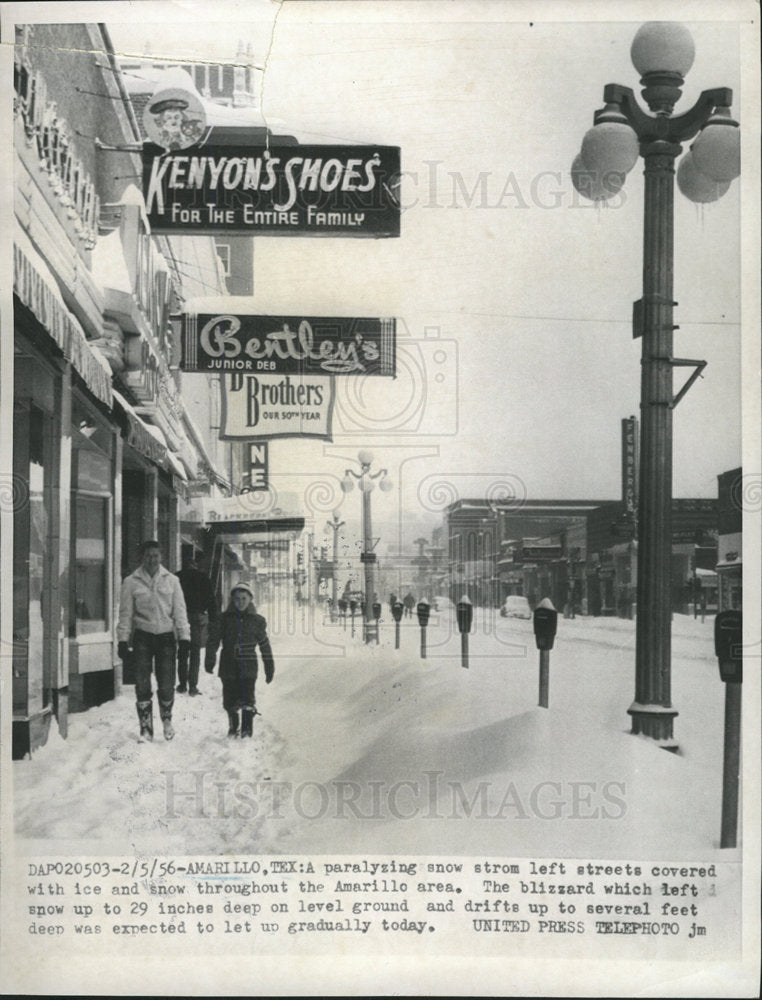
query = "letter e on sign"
x=258 y=465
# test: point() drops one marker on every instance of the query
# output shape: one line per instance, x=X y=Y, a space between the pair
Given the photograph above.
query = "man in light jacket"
x=153 y=619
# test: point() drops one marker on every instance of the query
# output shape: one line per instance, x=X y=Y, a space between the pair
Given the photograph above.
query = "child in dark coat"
x=239 y=630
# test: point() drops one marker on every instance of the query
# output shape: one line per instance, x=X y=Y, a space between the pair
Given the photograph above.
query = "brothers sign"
x=276 y=406
x=288 y=344
x=276 y=190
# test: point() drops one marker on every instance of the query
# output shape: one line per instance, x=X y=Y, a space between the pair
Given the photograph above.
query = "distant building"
x=729 y=541
x=490 y=552
x=234 y=84
x=582 y=554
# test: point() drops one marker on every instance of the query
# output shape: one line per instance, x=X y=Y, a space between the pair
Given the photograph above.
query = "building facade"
x=729 y=566
x=234 y=84
x=105 y=451
x=582 y=554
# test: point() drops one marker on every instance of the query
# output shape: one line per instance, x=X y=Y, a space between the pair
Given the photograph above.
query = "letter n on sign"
x=257 y=465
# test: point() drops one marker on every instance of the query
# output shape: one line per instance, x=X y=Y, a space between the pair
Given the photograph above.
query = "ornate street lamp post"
x=334 y=525
x=366 y=482
x=662 y=52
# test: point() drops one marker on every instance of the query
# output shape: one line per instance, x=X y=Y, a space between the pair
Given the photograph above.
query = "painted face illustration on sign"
x=174 y=119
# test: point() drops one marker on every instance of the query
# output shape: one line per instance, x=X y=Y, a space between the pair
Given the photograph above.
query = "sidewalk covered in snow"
x=367 y=749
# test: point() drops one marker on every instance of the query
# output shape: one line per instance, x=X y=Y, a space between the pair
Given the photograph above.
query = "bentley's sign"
x=229 y=342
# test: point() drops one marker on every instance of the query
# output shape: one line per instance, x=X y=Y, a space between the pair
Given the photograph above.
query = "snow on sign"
x=282 y=190
x=273 y=406
x=229 y=341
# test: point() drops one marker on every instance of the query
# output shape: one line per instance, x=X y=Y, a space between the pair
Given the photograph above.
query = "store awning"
x=260 y=526
x=140 y=436
x=35 y=286
x=177 y=467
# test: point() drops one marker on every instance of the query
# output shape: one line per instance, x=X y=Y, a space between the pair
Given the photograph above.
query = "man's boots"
x=165 y=711
x=247 y=720
x=233 y=727
x=145 y=718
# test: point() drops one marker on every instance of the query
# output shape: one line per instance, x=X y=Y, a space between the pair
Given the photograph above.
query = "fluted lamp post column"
x=662 y=52
x=335 y=524
x=367 y=483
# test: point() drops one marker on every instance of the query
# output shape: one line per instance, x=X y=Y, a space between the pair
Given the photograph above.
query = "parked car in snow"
x=516 y=606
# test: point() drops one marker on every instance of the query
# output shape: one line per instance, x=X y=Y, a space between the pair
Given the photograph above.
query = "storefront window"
x=90 y=560
x=31 y=688
x=91 y=509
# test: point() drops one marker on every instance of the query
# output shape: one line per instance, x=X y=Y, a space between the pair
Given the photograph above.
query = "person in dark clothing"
x=409 y=602
x=239 y=630
x=201 y=604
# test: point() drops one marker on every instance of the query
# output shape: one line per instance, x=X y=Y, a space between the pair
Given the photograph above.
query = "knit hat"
x=243 y=586
x=169 y=103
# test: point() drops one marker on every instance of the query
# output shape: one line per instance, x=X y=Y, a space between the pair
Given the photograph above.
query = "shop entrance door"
x=32 y=546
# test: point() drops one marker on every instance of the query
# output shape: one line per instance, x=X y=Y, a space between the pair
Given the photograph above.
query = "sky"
x=512 y=294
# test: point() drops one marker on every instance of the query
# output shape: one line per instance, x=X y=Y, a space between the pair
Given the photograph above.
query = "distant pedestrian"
x=153 y=618
x=392 y=600
x=239 y=630
x=201 y=604
x=408 y=602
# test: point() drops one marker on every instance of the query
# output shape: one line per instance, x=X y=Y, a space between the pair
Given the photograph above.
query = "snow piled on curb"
x=367 y=749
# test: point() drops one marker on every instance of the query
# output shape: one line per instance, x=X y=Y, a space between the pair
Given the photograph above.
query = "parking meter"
x=545 y=620
x=397 y=609
x=728 y=638
x=464 y=612
x=422 y=610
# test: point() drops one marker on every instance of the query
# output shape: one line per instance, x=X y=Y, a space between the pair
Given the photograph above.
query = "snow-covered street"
x=375 y=750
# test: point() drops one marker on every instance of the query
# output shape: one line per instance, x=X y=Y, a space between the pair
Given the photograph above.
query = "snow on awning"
x=35 y=286
x=147 y=440
x=109 y=264
x=177 y=467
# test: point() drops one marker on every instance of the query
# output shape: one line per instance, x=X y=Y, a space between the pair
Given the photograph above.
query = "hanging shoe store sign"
x=214 y=342
x=273 y=190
